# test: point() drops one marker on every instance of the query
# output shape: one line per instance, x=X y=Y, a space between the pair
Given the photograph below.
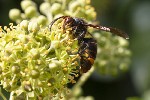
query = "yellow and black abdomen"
x=87 y=52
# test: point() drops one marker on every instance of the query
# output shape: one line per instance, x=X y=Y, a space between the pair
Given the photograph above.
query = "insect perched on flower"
x=87 y=46
x=79 y=27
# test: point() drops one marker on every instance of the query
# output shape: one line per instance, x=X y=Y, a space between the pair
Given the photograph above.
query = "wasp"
x=87 y=53
x=79 y=27
x=87 y=46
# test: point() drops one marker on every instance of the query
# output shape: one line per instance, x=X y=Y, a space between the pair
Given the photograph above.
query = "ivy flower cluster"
x=51 y=9
x=35 y=62
x=113 y=56
x=38 y=64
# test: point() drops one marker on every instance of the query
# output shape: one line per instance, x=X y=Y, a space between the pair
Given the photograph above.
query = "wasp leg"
x=81 y=36
x=82 y=50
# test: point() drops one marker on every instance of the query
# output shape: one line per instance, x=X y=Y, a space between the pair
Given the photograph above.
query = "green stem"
x=2 y=95
x=83 y=78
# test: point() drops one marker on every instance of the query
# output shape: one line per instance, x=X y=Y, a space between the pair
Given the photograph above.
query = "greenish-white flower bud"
x=34 y=53
x=26 y=3
x=54 y=65
x=14 y=14
x=123 y=42
x=24 y=24
x=55 y=44
x=27 y=86
x=33 y=27
x=15 y=69
x=30 y=12
x=56 y=8
x=44 y=7
x=35 y=73
x=73 y=6
x=42 y=20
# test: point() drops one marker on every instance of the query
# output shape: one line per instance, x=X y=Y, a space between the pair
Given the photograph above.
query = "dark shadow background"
x=133 y=16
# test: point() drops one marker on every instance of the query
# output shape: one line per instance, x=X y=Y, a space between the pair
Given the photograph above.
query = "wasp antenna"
x=119 y=32
x=114 y=30
x=99 y=27
x=51 y=24
x=110 y=29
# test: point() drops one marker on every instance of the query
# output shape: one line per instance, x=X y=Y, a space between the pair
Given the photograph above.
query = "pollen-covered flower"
x=37 y=64
x=35 y=61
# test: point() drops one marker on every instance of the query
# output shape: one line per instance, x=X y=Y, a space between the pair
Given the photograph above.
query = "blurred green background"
x=132 y=16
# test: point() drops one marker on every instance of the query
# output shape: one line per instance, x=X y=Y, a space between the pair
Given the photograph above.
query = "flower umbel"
x=35 y=61
x=37 y=64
